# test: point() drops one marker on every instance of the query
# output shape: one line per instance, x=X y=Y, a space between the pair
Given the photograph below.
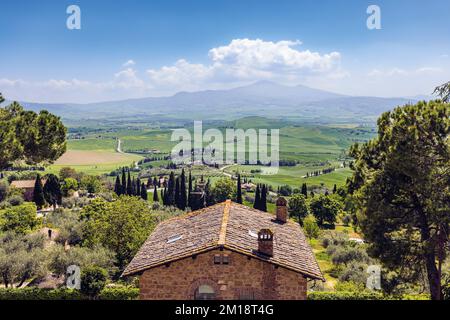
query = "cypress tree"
x=149 y=183
x=155 y=195
x=133 y=187
x=162 y=195
x=38 y=193
x=171 y=190
x=263 y=204
x=190 y=199
x=143 y=191
x=305 y=190
x=52 y=191
x=138 y=187
x=209 y=197
x=183 y=196
x=256 y=204
x=334 y=189
x=239 y=190
x=118 y=187
x=177 y=193
x=124 y=182
x=129 y=185
x=166 y=197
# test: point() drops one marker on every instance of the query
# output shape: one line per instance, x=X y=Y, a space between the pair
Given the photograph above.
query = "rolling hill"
x=263 y=98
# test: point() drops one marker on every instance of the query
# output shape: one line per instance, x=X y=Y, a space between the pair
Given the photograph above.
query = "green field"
x=312 y=147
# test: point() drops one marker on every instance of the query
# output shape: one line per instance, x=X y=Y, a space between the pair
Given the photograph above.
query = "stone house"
x=27 y=186
x=226 y=252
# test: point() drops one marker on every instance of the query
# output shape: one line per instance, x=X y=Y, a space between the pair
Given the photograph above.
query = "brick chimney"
x=282 y=212
x=265 y=242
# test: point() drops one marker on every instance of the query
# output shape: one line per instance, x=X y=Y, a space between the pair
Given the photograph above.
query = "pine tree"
x=143 y=191
x=155 y=195
x=129 y=185
x=124 y=182
x=256 y=204
x=263 y=203
x=118 y=186
x=183 y=195
x=239 y=190
x=38 y=193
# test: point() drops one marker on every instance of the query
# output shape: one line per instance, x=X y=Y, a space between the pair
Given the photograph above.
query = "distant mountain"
x=262 y=98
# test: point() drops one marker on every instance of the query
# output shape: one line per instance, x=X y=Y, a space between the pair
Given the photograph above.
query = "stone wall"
x=242 y=277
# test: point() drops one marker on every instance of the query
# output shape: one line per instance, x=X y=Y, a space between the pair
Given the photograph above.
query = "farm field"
x=93 y=156
x=311 y=147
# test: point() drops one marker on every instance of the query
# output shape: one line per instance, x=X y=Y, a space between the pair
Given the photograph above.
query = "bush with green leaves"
x=93 y=281
x=99 y=256
x=15 y=200
x=32 y=293
x=4 y=189
x=68 y=186
x=346 y=254
x=20 y=219
x=224 y=189
x=298 y=207
x=333 y=238
x=325 y=209
x=310 y=227
x=69 y=225
x=122 y=226
x=21 y=257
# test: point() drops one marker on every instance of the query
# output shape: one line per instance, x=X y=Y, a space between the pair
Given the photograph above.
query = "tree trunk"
x=434 y=279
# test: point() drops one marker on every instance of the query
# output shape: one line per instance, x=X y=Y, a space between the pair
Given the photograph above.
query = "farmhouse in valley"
x=27 y=186
x=223 y=252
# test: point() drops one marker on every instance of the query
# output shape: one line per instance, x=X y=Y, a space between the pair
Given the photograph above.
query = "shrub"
x=310 y=226
x=345 y=255
x=20 y=219
x=366 y=295
x=119 y=293
x=40 y=294
x=346 y=220
x=298 y=207
x=31 y=293
x=4 y=189
x=15 y=200
x=93 y=281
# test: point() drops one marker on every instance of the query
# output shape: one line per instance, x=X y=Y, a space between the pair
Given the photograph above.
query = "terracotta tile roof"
x=23 y=184
x=231 y=226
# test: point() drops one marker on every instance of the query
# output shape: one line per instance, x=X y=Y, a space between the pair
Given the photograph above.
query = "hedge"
x=362 y=296
x=113 y=293
x=127 y=293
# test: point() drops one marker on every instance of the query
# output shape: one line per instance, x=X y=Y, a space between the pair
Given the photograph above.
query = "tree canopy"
x=30 y=137
x=401 y=181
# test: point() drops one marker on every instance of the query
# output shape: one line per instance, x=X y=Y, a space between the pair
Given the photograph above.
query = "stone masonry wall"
x=241 y=277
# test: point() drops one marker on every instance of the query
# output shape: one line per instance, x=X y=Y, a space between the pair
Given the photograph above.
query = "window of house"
x=225 y=259
x=246 y=294
x=221 y=259
x=205 y=292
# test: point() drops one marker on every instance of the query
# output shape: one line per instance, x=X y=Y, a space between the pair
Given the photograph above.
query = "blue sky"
x=172 y=46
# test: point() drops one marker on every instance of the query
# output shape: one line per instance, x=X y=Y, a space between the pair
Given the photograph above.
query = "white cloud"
x=402 y=72
x=246 y=60
x=129 y=63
